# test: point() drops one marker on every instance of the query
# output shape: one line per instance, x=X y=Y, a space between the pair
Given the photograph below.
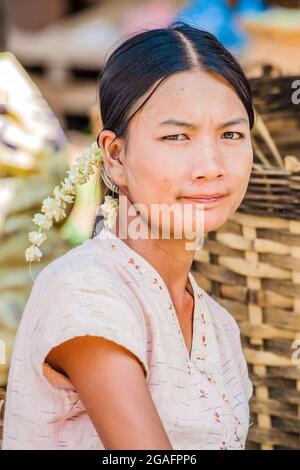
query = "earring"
x=108 y=180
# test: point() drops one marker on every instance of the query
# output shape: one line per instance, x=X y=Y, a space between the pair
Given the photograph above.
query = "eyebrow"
x=175 y=122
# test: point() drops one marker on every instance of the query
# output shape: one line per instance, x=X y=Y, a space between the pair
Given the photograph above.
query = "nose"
x=209 y=163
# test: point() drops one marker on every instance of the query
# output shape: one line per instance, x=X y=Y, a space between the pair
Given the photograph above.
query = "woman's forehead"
x=190 y=96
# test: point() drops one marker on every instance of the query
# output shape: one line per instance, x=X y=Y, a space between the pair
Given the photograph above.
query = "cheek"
x=239 y=177
x=149 y=180
x=239 y=169
x=166 y=184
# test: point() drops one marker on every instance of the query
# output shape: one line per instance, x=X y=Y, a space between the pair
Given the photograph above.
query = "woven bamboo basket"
x=251 y=265
x=274 y=187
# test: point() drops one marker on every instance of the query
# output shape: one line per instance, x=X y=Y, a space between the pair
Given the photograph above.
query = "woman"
x=118 y=347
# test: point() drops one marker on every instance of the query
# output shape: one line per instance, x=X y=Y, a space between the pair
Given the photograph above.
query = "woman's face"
x=191 y=138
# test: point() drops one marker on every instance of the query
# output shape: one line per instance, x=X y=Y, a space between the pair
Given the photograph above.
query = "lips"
x=206 y=196
x=207 y=200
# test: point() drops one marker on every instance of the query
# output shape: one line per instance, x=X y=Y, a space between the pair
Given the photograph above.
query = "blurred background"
x=51 y=54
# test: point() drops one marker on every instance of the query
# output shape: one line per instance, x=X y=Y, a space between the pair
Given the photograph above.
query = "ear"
x=112 y=149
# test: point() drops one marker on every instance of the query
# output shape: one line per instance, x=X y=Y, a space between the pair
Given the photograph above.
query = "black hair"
x=150 y=56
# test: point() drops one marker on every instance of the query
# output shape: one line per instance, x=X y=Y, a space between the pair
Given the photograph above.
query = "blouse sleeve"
x=86 y=303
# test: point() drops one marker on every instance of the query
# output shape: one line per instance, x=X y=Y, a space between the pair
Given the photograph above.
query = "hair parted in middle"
x=140 y=61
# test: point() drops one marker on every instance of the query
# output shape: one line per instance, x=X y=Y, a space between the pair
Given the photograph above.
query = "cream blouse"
x=105 y=288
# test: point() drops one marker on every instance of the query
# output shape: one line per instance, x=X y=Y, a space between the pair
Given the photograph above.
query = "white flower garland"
x=109 y=210
x=54 y=207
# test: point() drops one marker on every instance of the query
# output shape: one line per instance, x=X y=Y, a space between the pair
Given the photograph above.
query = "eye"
x=173 y=137
x=233 y=135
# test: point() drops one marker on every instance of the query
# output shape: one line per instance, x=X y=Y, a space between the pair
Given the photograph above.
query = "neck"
x=169 y=257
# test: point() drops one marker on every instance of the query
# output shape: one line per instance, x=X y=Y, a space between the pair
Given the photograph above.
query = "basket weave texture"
x=251 y=266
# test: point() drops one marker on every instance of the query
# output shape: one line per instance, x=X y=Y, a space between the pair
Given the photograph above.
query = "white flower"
x=54 y=207
x=61 y=194
x=83 y=165
x=43 y=221
x=82 y=179
x=108 y=223
x=75 y=177
x=109 y=211
x=96 y=156
x=109 y=206
x=72 y=175
x=59 y=214
x=68 y=187
x=33 y=253
x=50 y=206
x=37 y=238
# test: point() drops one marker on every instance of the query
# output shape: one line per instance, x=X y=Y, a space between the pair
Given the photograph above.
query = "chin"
x=210 y=221
x=213 y=221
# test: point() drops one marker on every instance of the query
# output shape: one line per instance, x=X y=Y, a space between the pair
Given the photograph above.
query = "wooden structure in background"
x=251 y=266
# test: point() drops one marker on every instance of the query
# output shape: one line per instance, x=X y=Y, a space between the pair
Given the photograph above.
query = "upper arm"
x=111 y=383
x=90 y=326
